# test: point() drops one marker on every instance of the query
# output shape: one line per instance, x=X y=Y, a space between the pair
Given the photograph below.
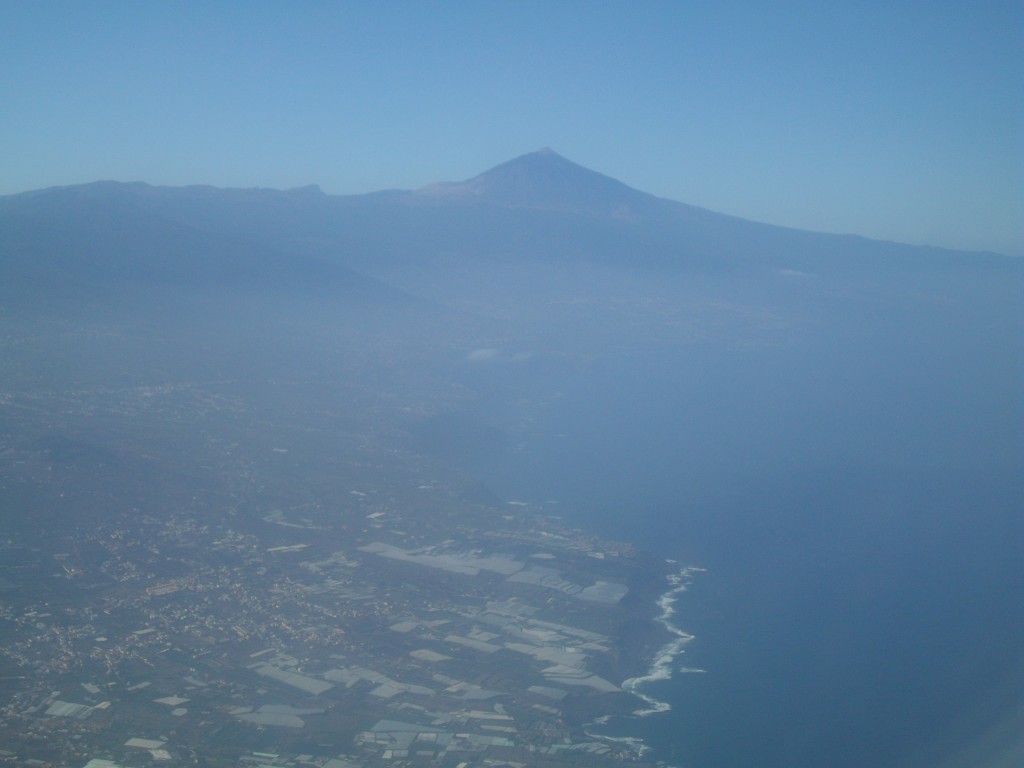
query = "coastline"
x=661 y=667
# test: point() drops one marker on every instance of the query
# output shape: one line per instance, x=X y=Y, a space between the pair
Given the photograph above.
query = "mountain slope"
x=109 y=235
x=539 y=207
x=544 y=179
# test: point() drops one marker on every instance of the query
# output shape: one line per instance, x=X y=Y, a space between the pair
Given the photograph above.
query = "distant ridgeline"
x=539 y=207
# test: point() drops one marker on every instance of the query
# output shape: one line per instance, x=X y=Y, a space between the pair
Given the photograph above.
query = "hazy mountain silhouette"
x=545 y=179
x=104 y=235
x=535 y=210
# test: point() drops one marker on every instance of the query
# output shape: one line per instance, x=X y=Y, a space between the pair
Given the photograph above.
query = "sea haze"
x=862 y=557
x=829 y=425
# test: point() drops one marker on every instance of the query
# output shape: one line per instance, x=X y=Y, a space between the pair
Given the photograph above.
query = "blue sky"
x=889 y=119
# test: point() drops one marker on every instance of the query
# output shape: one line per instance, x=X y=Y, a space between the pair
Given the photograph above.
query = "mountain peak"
x=544 y=179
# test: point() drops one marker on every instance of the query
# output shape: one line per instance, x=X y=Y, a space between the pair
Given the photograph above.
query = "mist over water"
x=854 y=500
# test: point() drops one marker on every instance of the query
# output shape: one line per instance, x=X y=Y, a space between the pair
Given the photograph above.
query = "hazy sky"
x=889 y=119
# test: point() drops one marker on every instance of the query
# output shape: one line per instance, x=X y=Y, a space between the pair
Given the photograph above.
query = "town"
x=306 y=635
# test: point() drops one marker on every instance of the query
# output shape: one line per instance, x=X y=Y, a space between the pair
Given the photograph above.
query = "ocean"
x=842 y=649
x=860 y=599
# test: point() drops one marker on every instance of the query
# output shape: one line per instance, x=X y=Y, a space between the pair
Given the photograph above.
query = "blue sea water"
x=861 y=533
x=892 y=647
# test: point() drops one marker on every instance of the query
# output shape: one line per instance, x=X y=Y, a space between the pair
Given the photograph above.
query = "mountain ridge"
x=540 y=181
x=536 y=207
x=545 y=179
